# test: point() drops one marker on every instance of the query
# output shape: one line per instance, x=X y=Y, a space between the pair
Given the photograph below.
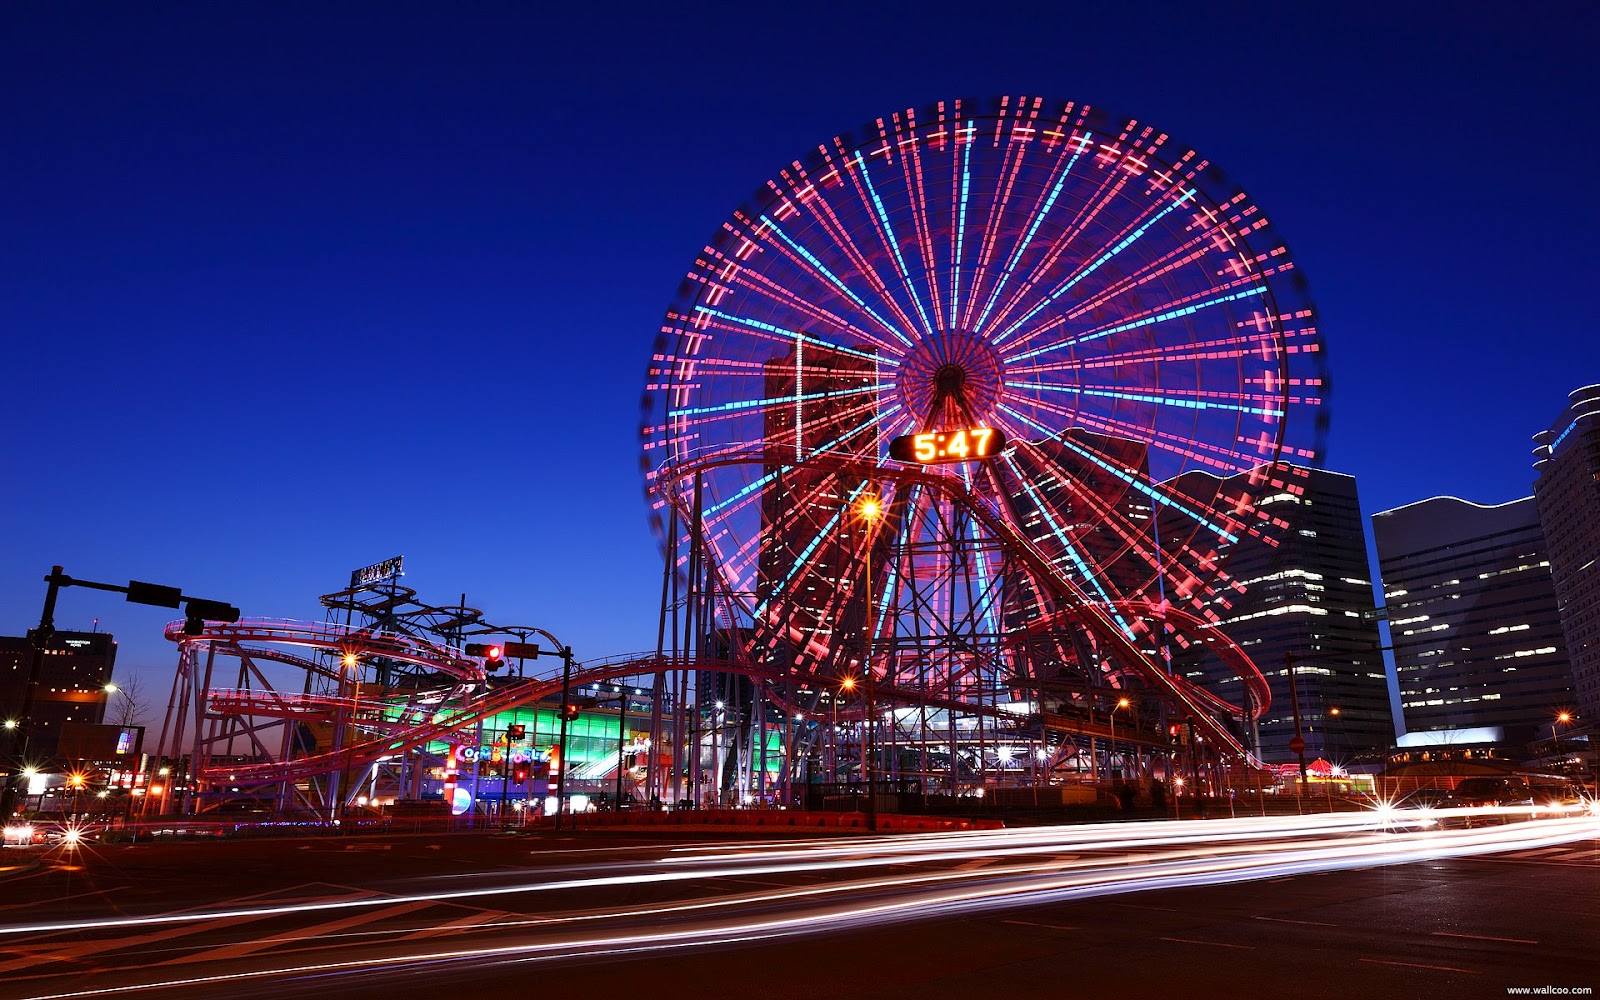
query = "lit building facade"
x=1567 y=459
x=1472 y=617
x=72 y=684
x=1310 y=596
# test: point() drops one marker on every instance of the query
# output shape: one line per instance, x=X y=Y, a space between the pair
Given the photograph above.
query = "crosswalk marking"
x=53 y=952
x=243 y=948
x=462 y=923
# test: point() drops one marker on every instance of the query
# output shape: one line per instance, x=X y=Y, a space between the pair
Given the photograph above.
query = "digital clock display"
x=964 y=444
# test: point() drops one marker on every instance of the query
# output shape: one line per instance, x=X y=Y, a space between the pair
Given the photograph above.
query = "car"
x=1424 y=798
x=1558 y=798
x=1508 y=790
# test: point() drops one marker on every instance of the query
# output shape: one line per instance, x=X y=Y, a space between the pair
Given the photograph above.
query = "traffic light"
x=519 y=771
x=197 y=612
x=516 y=732
x=493 y=656
x=571 y=711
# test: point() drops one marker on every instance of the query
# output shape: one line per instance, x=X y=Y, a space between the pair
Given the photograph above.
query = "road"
x=1320 y=906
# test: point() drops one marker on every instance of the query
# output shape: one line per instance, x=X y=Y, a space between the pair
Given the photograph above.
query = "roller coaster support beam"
x=137 y=593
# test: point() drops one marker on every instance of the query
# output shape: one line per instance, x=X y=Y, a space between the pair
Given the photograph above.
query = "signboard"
x=377 y=572
x=93 y=741
x=963 y=444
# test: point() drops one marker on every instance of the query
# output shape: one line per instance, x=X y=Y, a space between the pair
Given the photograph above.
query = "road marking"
x=61 y=899
x=1147 y=906
x=243 y=948
x=1286 y=920
x=1030 y=923
x=1419 y=965
x=87 y=949
x=1483 y=937
x=1212 y=944
x=461 y=923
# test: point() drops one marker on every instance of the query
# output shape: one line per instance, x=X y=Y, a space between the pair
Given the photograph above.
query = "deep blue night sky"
x=287 y=291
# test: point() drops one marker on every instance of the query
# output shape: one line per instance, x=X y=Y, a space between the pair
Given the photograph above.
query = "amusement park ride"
x=948 y=435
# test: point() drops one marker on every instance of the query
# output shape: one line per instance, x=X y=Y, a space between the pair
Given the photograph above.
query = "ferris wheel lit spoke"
x=803 y=561
x=1158 y=495
x=820 y=270
x=837 y=234
x=785 y=299
x=1069 y=551
x=1107 y=513
x=995 y=223
x=736 y=406
x=886 y=234
x=1072 y=282
x=1040 y=212
x=784 y=338
x=961 y=190
x=912 y=174
x=1213 y=456
x=1219 y=349
x=1191 y=256
x=1148 y=320
x=1184 y=399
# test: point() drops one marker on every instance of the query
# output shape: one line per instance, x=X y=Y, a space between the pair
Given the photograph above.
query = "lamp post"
x=1562 y=718
x=848 y=684
x=1121 y=703
x=870 y=511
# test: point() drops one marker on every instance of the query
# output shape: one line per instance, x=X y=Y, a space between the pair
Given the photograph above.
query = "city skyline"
x=364 y=301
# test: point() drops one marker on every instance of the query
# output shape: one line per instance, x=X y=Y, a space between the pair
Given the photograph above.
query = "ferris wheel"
x=1059 y=351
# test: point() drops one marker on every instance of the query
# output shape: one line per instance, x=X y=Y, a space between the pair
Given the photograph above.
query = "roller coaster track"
x=340 y=638
x=445 y=720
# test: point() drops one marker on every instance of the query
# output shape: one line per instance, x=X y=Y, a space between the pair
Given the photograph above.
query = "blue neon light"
x=1038 y=221
x=894 y=244
x=1135 y=324
x=823 y=270
x=1127 y=242
x=1126 y=477
x=797 y=335
x=1140 y=397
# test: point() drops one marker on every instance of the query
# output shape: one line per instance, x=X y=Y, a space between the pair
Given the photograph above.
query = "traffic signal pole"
x=566 y=702
x=198 y=611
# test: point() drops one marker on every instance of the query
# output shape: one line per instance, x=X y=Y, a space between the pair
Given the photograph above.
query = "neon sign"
x=386 y=570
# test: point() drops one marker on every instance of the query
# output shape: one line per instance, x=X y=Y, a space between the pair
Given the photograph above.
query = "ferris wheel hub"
x=953 y=365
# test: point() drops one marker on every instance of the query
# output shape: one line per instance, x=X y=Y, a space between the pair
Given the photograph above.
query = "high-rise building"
x=1472 y=616
x=71 y=687
x=1309 y=597
x=1567 y=458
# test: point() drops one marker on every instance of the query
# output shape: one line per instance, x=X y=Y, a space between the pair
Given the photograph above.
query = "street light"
x=870 y=510
x=848 y=684
x=1121 y=703
x=1565 y=719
